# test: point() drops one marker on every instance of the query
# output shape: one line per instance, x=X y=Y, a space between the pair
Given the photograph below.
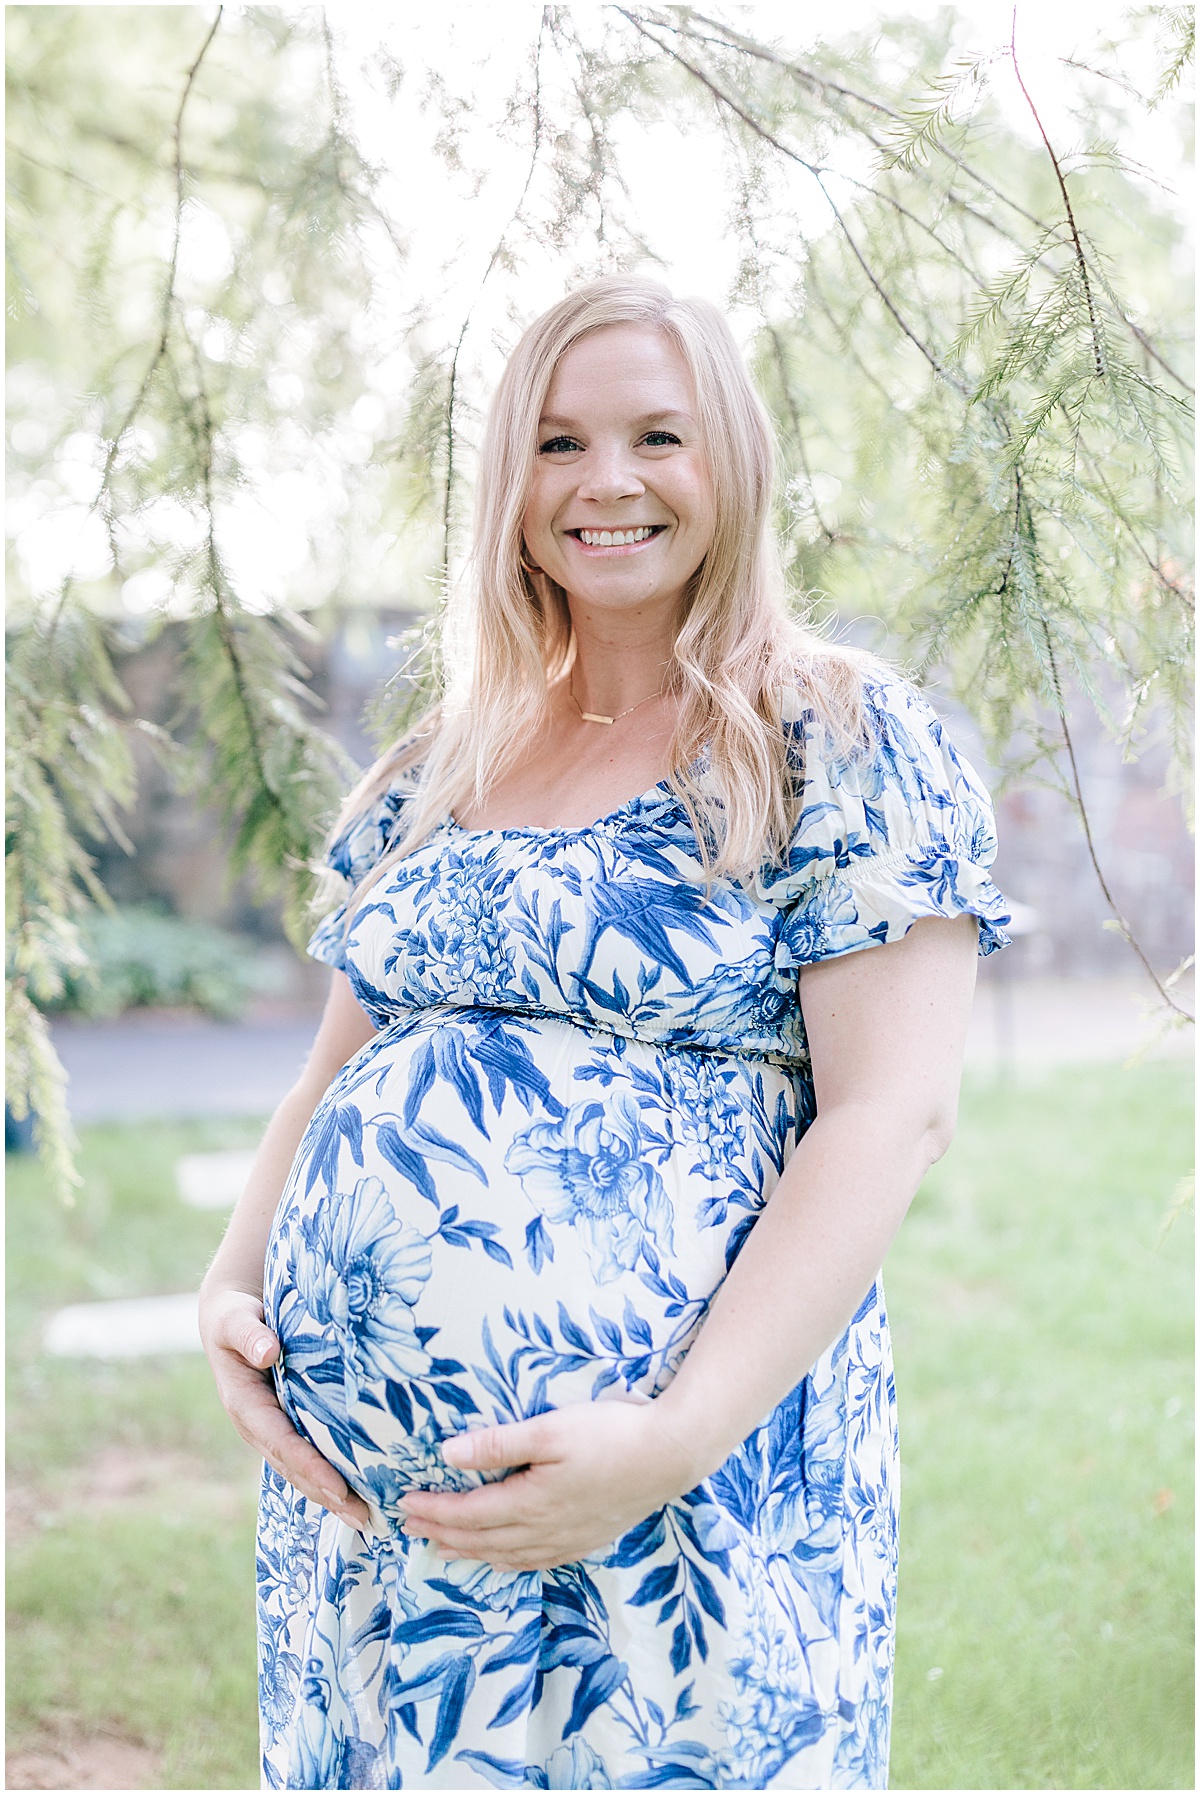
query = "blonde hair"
x=507 y=632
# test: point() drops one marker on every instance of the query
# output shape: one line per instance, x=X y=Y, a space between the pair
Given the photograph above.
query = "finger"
x=260 y=1421
x=516 y=1561
x=476 y=1542
x=504 y=1533
x=247 y=1335
x=491 y=1505
x=495 y=1448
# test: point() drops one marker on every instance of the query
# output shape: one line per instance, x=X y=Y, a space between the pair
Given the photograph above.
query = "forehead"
x=624 y=367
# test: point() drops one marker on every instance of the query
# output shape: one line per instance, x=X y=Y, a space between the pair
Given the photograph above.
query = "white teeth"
x=614 y=538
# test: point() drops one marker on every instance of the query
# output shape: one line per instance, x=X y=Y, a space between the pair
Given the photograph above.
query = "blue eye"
x=661 y=439
x=557 y=445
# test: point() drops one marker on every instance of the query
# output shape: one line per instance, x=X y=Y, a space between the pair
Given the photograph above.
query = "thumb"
x=256 y=1344
x=498 y=1448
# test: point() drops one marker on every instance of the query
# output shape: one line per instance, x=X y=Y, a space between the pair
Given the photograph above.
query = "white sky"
x=679 y=182
x=680 y=198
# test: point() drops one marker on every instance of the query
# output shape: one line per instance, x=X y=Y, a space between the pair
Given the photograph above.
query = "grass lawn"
x=131 y=1544
x=1044 y=1367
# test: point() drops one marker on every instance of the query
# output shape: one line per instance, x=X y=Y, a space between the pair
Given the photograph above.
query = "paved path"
x=1059 y=1022
x=133 y=1328
x=153 y=1066
x=143 y=1065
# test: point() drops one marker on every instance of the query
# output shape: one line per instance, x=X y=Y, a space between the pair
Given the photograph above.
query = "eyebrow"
x=548 y=422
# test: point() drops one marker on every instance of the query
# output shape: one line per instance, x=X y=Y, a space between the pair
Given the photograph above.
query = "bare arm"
x=239 y=1347
x=886 y=1028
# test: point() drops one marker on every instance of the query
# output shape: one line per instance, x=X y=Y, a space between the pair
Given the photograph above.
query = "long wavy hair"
x=506 y=633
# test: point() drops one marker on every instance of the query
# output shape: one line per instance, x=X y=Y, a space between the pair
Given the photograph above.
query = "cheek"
x=530 y=521
x=692 y=498
x=539 y=505
x=694 y=504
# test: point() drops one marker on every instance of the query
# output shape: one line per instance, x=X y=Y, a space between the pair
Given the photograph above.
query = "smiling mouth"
x=627 y=538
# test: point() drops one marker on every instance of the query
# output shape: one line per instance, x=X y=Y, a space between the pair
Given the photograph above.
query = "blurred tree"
x=212 y=310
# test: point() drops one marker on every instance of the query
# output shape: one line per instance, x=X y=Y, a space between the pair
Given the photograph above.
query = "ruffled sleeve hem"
x=359 y=847
x=878 y=899
x=328 y=940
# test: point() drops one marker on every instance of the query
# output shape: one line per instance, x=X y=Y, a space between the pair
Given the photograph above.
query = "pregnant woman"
x=553 y=1299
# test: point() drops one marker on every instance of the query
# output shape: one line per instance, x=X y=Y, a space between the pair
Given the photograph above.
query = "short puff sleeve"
x=354 y=851
x=899 y=829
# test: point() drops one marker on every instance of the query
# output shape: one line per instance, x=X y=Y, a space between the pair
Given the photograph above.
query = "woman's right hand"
x=241 y=1351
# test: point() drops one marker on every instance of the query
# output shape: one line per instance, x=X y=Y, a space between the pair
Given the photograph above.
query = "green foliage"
x=138 y=957
x=974 y=341
x=1177 y=34
x=1010 y=452
x=143 y=364
x=68 y=769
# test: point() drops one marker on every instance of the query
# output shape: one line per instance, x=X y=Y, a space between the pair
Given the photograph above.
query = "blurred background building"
x=1138 y=825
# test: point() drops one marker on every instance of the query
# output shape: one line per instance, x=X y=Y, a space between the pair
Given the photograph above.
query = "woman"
x=573 y=1379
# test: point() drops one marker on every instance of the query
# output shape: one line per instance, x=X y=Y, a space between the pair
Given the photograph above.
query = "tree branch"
x=811 y=168
x=498 y=250
x=1080 y=258
x=731 y=39
x=103 y=495
x=1085 y=821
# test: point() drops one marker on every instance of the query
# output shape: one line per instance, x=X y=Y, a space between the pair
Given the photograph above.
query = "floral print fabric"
x=589 y=1074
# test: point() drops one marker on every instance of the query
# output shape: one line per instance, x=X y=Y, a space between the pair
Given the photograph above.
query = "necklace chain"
x=594 y=717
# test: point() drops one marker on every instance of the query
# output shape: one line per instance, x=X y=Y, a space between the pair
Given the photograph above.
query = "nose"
x=609 y=472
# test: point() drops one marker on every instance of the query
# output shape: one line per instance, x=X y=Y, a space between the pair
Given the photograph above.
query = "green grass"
x=130 y=1612
x=1044 y=1368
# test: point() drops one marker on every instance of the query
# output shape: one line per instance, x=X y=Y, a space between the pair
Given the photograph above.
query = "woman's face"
x=620 y=509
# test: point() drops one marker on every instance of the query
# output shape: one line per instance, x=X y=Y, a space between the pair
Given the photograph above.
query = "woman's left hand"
x=590 y=1473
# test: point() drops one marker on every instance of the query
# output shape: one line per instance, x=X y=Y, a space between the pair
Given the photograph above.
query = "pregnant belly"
x=490 y=1216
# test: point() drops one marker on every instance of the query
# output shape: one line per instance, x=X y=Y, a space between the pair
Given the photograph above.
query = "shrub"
x=143 y=957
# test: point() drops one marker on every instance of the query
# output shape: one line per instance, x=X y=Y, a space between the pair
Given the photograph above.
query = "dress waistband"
x=798 y=1065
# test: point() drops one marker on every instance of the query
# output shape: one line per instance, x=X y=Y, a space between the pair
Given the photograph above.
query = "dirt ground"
x=70 y=1760
x=115 y=1477
x=64 y=1753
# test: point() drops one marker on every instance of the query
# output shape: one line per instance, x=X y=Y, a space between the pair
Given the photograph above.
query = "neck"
x=616 y=667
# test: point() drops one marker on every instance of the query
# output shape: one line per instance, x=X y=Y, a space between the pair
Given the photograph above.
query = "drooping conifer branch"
x=497 y=251
x=168 y=296
x=1085 y=823
x=812 y=168
x=943 y=249
x=1080 y=258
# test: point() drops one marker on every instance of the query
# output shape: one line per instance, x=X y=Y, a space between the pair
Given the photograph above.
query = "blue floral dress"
x=524 y=1192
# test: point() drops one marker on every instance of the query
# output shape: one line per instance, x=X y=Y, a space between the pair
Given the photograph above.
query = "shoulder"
x=892 y=824
x=879 y=778
x=850 y=692
x=865 y=727
x=360 y=839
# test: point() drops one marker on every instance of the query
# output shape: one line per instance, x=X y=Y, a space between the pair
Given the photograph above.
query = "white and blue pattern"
x=524 y=1192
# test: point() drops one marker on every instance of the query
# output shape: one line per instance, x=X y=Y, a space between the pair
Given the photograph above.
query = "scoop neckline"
x=638 y=801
